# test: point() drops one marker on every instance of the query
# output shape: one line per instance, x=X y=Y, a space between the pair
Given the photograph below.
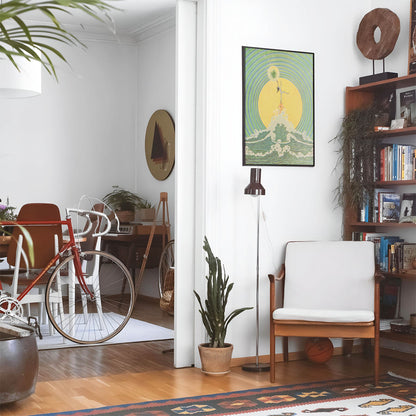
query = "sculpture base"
x=377 y=77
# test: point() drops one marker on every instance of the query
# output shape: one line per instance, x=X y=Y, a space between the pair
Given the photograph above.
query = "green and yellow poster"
x=278 y=107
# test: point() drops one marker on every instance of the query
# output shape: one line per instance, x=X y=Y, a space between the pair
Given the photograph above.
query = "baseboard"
x=149 y=298
x=293 y=356
x=405 y=356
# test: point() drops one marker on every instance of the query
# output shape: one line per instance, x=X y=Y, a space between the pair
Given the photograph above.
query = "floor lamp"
x=256 y=189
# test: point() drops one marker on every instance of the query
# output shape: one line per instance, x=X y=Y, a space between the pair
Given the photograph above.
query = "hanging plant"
x=358 y=155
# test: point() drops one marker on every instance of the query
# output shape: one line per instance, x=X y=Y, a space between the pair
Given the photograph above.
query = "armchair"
x=330 y=289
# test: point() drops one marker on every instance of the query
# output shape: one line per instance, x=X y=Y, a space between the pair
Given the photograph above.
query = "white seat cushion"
x=323 y=315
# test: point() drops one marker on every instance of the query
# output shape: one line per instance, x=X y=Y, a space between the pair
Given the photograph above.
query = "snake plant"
x=34 y=41
x=218 y=289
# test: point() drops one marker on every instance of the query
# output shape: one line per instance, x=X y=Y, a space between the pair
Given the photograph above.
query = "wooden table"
x=131 y=248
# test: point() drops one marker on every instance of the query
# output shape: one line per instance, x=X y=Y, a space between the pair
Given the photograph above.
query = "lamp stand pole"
x=257 y=366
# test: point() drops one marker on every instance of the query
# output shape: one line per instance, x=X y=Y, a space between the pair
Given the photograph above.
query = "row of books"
x=397 y=162
x=389 y=206
x=392 y=253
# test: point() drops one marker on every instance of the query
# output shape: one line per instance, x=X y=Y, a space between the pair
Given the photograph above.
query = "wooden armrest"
x=280 y=275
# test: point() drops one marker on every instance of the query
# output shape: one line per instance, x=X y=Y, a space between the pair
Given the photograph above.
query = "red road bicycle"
x=89 y=295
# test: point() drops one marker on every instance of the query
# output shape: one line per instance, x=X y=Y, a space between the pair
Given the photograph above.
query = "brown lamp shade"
x=255 y=187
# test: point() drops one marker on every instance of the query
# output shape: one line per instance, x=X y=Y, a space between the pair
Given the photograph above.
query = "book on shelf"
x=397 y=162
x=408 y=208
x=389 y=207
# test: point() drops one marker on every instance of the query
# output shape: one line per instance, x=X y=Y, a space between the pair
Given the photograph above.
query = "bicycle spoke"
x=80 y=317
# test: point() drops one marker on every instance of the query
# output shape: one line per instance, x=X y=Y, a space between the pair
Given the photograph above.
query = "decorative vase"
x=215 y=361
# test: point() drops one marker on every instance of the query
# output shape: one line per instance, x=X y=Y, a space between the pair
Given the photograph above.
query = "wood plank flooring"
x=88 y=377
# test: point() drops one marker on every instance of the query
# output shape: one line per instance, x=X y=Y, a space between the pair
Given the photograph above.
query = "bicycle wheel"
x=83 y=318
x=167 y=261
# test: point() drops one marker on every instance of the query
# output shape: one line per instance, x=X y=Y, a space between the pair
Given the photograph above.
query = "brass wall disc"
x=389 y=25
x=160 y=144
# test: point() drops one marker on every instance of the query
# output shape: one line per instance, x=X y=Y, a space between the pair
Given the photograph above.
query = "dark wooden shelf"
x=395 y=183
x=383 y=224
x=396 y=336
x=399 y=82
x=361 y=97
x=396 y=132
x=401 y=275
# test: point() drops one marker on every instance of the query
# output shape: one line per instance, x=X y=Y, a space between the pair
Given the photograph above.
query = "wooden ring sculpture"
x=389 y=25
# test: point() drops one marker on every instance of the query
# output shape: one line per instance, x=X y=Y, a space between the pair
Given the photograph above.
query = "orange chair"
x=46 y=241
x=330 y=290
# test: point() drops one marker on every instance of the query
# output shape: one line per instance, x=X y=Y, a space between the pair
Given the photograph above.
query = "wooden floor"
x=88 y=377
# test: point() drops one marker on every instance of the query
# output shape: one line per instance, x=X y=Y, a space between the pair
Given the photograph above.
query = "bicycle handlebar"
x=87 y=214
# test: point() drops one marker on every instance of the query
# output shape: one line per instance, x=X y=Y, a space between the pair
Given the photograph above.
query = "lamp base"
x=254 y=367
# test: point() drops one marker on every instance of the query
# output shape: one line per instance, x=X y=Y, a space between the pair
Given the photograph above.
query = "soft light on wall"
x=25 y=82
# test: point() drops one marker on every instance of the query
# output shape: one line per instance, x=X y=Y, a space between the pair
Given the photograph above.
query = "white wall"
x=156 y=91
x=78 y=136
x=299 y=200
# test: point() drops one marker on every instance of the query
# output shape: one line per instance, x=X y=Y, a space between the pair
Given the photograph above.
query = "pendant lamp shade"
x=22 y=83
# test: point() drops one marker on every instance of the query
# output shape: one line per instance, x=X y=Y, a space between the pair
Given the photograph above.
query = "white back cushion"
x=335 y=275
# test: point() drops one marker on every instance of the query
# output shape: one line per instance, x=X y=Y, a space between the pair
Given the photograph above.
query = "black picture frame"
x=278 y=107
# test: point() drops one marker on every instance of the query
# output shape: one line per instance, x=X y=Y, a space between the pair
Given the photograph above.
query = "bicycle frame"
x=70 y=245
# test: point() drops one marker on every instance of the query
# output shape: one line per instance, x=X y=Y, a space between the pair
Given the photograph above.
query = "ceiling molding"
x=160 y=25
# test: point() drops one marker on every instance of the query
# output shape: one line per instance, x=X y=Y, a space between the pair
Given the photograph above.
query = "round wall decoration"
x=389 y=25
x=160 y=144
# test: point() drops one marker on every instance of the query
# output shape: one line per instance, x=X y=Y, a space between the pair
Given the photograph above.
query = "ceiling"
x=132 y=16
x=138 y=14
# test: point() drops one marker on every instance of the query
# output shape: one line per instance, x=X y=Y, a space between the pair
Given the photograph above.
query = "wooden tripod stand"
x=165 y=231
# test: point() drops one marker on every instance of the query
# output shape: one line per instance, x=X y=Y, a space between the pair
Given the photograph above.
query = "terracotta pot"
x=215 y=361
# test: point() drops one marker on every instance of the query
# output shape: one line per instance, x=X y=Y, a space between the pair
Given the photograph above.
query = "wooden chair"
x=330 y=289
x=46 y=241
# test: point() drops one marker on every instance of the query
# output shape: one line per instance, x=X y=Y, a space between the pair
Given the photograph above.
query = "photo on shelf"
x=390 y=207
x=406 y=105
x=408 y=208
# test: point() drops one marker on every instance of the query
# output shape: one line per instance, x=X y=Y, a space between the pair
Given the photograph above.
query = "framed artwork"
x=412 y=38
x=160 y=144
x=278 y=107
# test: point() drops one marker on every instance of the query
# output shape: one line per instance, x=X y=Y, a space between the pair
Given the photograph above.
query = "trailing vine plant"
x=357 y=154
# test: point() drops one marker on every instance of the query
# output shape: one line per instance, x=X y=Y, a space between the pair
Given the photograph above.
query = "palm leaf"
x=28 y=40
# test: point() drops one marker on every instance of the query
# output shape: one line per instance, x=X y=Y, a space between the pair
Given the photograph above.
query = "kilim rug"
x=348 y=397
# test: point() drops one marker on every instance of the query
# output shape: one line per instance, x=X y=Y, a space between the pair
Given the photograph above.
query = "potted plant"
x=6 y=214
x=123 y=202
x=216 y=354
x=145 y=211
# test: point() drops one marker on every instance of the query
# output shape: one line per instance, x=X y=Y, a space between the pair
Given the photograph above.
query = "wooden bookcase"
x=361 y=97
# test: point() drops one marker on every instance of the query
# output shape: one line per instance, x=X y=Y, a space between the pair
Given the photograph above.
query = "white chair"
x=330 y=289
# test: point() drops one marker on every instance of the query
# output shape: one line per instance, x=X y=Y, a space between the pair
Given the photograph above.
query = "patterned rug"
x=348 y=397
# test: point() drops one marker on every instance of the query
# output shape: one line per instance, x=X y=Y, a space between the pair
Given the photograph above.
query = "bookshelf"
x=360 y=97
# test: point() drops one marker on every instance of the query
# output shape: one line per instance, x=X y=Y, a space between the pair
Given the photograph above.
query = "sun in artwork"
x=278 y=96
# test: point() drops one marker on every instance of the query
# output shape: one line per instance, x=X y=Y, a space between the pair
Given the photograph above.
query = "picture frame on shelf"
x=408 y=208
x=397 y=123
x=278 y=107
x=406 y=105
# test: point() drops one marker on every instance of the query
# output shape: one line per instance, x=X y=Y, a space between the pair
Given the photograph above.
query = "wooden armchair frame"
x=286 y=328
